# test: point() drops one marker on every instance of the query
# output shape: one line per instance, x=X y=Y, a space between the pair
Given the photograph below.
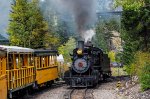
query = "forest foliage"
x=136 y=36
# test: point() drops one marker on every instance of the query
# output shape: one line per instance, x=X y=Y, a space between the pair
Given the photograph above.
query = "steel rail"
x=68 y=94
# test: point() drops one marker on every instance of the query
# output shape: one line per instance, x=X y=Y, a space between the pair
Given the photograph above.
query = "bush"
x=140 y=59
x=145 y=77
x=130 y=69
x=111 y=55
x=141 y=68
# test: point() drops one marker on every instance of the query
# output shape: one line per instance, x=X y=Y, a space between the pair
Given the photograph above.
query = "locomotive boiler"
x=89 y=66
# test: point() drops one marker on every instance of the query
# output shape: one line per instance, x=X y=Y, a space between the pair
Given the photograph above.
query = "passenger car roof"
x=15 y=49
x=43 y=52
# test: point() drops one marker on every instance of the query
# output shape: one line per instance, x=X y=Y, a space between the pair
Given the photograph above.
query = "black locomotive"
x=89 y=66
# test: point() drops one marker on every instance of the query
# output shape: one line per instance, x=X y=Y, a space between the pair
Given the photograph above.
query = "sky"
x=4 y=15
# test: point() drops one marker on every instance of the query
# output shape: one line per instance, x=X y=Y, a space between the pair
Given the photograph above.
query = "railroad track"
x=89 y=94
x=68 y=94
x=79 y=94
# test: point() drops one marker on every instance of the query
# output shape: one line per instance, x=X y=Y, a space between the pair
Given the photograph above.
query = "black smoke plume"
x=84 y=13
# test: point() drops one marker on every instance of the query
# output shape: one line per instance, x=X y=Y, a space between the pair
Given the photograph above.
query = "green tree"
x=130 y=4
x=17 y=29
x=63 y=32
x=51 y=41
x=67 y=48
x=37 y=25
x=135 y=27
x=103 y=35
x=27 y=27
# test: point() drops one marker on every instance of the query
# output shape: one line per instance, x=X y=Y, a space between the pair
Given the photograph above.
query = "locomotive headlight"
x=79 y=51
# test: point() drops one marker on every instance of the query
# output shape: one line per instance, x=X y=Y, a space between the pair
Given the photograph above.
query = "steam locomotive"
x=89 y=66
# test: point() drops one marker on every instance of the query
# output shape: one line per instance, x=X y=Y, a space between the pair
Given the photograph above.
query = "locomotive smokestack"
x=80 y=45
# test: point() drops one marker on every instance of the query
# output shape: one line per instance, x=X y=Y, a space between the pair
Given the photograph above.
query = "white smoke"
x=88 y=34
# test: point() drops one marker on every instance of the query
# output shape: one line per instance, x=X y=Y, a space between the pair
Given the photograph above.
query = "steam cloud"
x=88 y=34
x=84 y=14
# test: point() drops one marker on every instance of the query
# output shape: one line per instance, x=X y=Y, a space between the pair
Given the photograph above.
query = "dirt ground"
x=105 y=90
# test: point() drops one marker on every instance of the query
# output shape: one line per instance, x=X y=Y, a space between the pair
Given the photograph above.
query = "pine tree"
x=38 y=27
x=27 y=27
x=18 y=30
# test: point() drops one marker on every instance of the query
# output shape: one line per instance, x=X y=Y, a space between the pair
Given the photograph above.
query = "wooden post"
x=7 y=61
x=19 y=61
x=14 y=61
x=1 y=63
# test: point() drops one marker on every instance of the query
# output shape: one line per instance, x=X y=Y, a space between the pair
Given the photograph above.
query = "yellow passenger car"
x=46 y=66
x=20 y=70
x=3 y=77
